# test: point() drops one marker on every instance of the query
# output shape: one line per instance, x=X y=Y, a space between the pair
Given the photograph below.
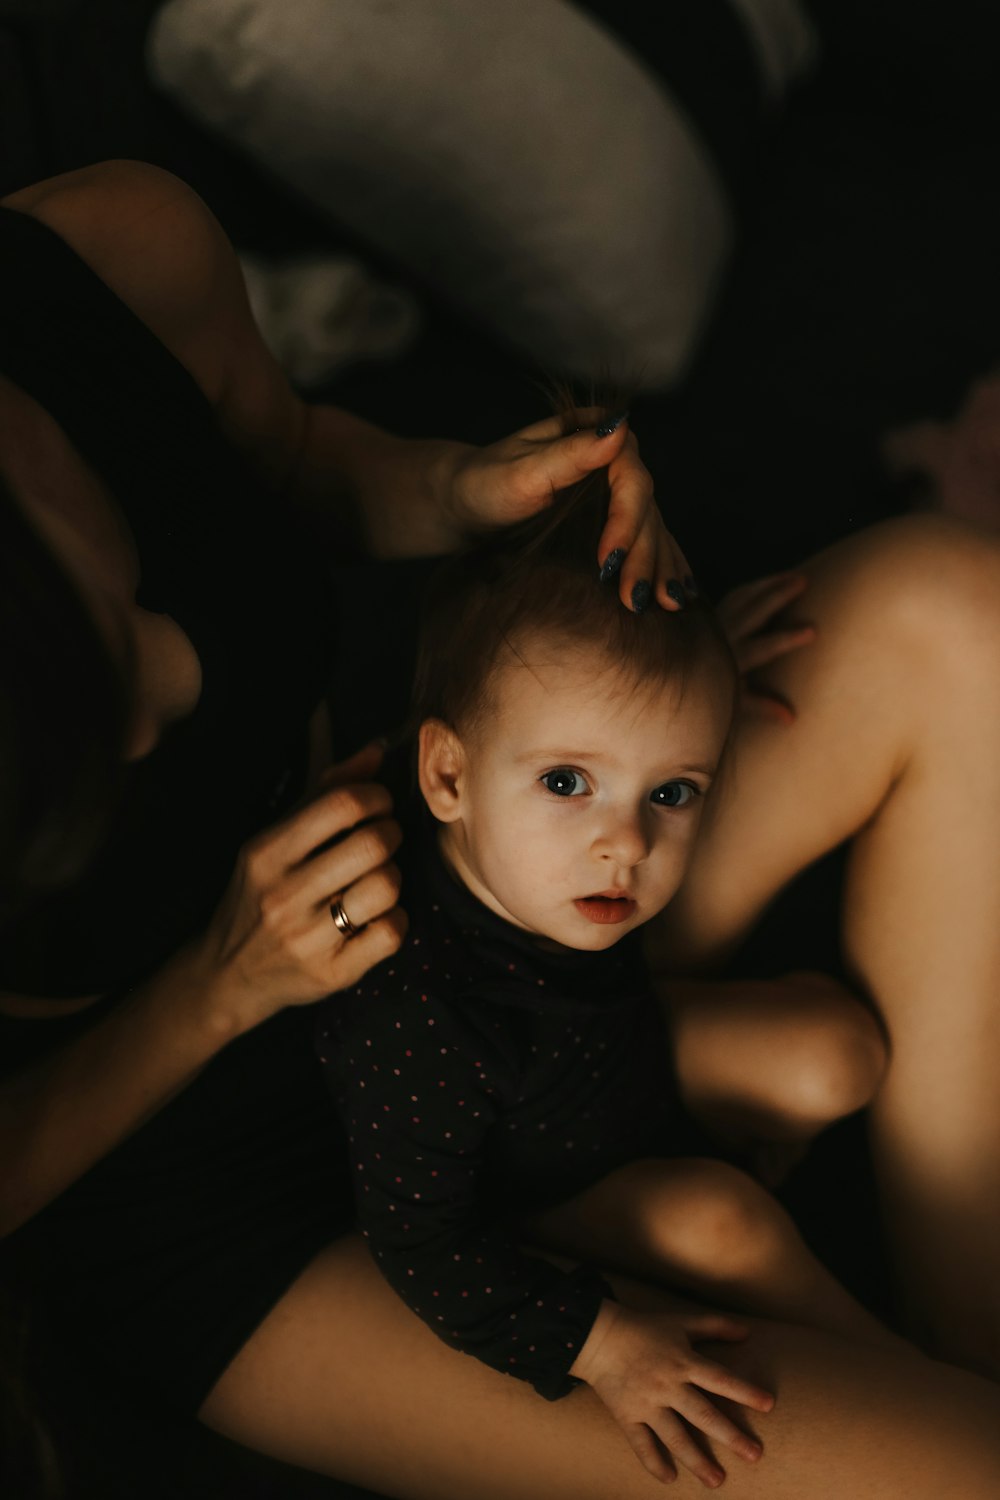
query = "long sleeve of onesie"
x=420 y=1086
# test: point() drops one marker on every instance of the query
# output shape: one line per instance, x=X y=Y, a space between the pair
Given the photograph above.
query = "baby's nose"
x=627 y=843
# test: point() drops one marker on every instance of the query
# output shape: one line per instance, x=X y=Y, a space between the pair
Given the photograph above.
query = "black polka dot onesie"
x=480 y=1076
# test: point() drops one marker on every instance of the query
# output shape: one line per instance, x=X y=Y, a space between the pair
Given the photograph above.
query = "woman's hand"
x=645 y=1370
x=426 y=497
x=747 y=615
x=273 y=941
x=482 y=488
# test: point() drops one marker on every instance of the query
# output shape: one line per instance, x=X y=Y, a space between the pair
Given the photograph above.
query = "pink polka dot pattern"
x=533 y=1074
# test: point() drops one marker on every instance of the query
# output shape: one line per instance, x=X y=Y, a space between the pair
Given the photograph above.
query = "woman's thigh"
x=344 y=1379
x=904 y=674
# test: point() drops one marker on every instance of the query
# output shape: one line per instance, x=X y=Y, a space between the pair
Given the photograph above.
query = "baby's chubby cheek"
x=666 y=876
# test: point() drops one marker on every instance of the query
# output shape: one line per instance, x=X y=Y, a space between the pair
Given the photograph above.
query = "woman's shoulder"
x=153 y=241
x=93 y=206
x=150 y=238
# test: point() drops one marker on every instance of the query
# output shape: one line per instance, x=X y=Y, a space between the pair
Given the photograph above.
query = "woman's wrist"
x=395 y=493
x=217 y=1003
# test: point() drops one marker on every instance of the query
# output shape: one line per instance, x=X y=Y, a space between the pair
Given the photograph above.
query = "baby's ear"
x=439 y=769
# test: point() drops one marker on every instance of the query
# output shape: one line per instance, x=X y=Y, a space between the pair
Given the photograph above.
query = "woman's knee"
x=710 y=1220
x=928 y=577
x=831 y=1067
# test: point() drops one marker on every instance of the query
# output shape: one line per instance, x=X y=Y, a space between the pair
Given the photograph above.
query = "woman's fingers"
x=519 y=476
x=359 y=853
x=554 y=463
x=379 y=940
x=635 y=545
x=673 y=582
x=361 y=766
x=326 y=817
x=635 y=576
x=587 y=419
x=371 y=896
x=635 y=529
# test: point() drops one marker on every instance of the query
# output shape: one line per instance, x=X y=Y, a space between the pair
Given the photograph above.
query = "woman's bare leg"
x=773 y=1060
x=896 y=743
x=343 y=1378
x=705 y=1227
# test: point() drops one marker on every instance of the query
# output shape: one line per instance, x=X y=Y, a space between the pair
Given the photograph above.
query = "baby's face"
x=578 y=798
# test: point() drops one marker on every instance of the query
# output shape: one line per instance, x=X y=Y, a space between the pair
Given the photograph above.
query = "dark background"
x=863 y=292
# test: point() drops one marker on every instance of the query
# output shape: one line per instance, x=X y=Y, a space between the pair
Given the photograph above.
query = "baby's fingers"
x=722 y=1382
x=763 y=598
x=683 y=1448
x=712 y=1325
x=701 y=1413
x=759 y=650
x=649 y=1452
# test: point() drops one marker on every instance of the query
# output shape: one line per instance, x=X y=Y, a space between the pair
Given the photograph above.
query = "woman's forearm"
x=60 y=1116
x=389 y=491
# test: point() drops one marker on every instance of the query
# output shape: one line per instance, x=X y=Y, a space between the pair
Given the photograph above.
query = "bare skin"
x=880 y=709
x=765 y=1065
x=271 y=943
x=704 y=1227
x=341 y=1376
x=895 y=745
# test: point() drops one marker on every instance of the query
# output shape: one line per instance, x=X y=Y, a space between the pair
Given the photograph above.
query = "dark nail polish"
x=641 y=596
x=611 y=424
x=612 y=563
x=676 y=592
x=691 y=587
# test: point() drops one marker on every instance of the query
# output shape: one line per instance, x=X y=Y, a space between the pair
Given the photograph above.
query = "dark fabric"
x=701 y=53
x=165 y=1256
x=480 y=1076
x=218 y=556
x=162 y=1260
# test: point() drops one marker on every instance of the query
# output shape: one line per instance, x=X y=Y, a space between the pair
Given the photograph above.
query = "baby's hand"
x=643 y=1367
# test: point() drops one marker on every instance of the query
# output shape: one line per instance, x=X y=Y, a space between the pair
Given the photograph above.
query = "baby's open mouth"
x=606 y=907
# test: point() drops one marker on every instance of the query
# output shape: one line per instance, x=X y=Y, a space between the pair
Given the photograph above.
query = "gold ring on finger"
x=341 y=920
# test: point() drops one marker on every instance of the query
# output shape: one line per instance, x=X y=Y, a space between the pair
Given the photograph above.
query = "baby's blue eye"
x=564 y=783
x=673 y=794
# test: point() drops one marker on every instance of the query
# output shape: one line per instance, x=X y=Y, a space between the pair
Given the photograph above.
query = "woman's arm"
x=59 y=1116
x=155 y=243
x=271 y=943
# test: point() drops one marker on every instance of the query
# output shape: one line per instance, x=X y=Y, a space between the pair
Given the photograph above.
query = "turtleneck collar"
x=513 y=965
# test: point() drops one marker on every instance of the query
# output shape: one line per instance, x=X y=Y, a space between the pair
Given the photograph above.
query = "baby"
x=507 y=1076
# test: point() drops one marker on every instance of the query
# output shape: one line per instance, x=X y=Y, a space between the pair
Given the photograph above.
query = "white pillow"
x=512 y=155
